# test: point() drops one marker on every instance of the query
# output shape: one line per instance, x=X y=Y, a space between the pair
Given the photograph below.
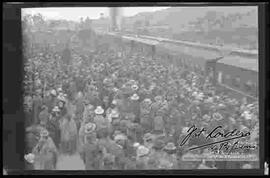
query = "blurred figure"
x=45 y=152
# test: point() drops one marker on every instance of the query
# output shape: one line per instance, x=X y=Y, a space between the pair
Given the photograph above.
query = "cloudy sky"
x=91 y=12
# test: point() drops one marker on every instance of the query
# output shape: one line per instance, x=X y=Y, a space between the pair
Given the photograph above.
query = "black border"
x=12 y=68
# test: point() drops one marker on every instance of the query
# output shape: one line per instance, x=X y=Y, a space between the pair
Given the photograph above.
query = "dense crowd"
x=125 y=112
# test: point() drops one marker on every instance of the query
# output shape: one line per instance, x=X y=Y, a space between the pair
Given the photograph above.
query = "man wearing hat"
x=37 y=104
x=86 y=128
x=134 y=105
x=148 y=140
x=45 y=152
x=142 y=157
x=44 y=116
x=110 y=146
x=68 y=134
x=88 y=114
x=99 y=120
x=79 y=109
x=51 y=100
x=159 y=125
x=145 y=115
x=53 y=126
x=90 y=151
x=170 y=150
x=28 y=105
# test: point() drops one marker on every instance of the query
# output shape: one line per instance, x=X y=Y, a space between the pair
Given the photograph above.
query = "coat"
x=54 y=130
x=44 y=117
x=37 y=103
x=68 y=135
x=45 y=156
x=90 y=153
x=158 y=124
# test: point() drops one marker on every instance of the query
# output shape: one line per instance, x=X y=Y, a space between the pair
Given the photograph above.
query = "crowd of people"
x=125 y=112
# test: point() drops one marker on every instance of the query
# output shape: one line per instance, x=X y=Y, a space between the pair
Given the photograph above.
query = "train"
x=232 y=71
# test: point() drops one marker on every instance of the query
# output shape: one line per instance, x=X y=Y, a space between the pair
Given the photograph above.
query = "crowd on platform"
x=126 y=113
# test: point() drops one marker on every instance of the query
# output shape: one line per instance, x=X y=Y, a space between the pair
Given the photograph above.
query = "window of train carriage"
x=236 y=82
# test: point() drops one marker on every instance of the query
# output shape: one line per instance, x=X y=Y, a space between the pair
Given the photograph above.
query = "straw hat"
x=134 y=97
x=142 y=151
x=89 y=128
x=29 y=158
x=99 y=110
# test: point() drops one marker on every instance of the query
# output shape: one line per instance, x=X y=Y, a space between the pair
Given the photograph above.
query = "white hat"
x=29 y=157
x=134 y=97
x=53 y=92
x=56 y=109
x=134 y=87
x=99 y=110
x=142 y=150
x=136 y=145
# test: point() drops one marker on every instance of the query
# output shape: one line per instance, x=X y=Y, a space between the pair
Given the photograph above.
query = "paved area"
x=73 y=162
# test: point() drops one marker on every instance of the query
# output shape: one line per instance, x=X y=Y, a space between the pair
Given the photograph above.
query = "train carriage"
x=190 y=57
x=238 y=73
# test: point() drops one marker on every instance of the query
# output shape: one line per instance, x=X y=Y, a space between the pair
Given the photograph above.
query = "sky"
x=91 y=12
